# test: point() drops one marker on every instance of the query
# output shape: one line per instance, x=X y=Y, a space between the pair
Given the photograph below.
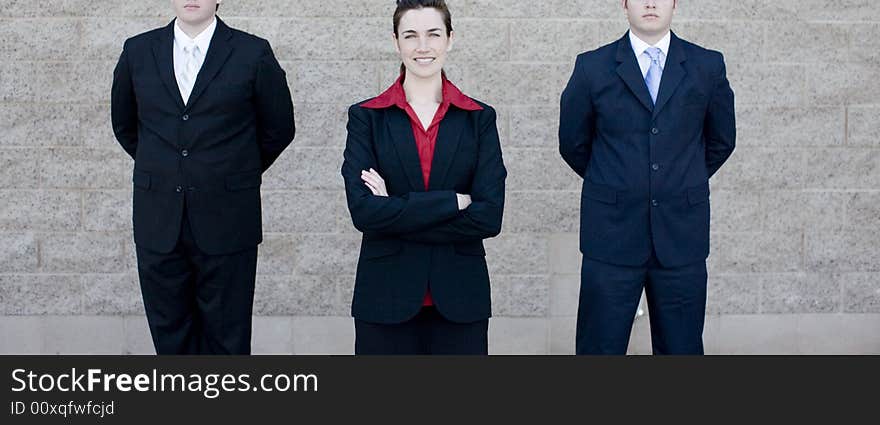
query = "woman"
x=424 y=180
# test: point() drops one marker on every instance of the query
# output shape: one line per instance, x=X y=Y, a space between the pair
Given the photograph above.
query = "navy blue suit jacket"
x=415 y=236
x=646 y=167
x=208 y=154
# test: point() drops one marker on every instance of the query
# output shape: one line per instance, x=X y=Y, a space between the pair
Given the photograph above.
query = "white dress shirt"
x=639 y=47
x=181 y=40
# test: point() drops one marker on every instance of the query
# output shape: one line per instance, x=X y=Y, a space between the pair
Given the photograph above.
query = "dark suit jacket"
x=414 y=236
x=646 y=167
x=210 y=153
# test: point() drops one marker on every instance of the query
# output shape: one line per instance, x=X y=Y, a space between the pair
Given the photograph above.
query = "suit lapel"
x=405 y=144
x=673 y=73
x=448 y=139
x=163 y=53
x=629 y=71
x=218 y=53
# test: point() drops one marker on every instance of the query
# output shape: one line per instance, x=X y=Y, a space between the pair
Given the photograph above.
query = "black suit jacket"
x=646 y=167
x=208 y=154
x=415 y=237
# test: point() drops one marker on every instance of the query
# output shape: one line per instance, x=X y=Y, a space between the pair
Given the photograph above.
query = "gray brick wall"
x=795 y=264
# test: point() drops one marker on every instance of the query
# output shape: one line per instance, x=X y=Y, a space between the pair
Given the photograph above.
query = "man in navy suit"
x=645 y=121
x=204 y=110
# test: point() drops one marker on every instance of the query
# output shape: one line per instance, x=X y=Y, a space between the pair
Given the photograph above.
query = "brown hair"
x=404 y=6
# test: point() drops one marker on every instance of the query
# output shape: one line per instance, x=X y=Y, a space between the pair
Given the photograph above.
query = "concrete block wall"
x=795 y=264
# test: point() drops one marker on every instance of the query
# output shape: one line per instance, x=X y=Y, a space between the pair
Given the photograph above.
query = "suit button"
x=178 y=189
x=655 y=131
x=654 y=203
x=184 y=153
x=655 y=167
x=185 y=117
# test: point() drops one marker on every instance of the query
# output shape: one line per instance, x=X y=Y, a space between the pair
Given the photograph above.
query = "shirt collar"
x=203 y=40
x=639 y=46
x=395 y=96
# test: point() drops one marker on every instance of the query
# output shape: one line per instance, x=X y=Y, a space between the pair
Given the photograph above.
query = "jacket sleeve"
x=123 y=105
x=275 y=122
x=391 y=215
x=720 y=124
x=482 y=219
x=576 y=120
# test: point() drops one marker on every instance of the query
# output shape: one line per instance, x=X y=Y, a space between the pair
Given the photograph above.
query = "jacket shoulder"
x=709 y=61
x=143 y=39
x=362 y=114
x=701 y=53
x=486 y=107
x=600 y=54
x=487 y=113
x=248 y=39
x=357 y=107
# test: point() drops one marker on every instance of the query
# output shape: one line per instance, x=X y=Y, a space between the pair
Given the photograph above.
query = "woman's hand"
x=464 y=201
x=377 y=185
x=375 y=182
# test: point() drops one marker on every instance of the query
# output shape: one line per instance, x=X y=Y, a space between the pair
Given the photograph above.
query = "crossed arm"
x=439 y=216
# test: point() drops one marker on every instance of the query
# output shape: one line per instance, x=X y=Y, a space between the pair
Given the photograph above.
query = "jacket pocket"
x=599 y=192
x=698 y=194
x=470 y=248
x=141 y=179
x=243 y=181
x=379 y=249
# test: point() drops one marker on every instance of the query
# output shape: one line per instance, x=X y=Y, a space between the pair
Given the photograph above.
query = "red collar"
x=395 y=96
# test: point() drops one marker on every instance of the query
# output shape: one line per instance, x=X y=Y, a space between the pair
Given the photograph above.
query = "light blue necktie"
x=655 y=72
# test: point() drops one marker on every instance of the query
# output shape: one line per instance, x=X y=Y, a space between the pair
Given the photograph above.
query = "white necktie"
x=191 y=57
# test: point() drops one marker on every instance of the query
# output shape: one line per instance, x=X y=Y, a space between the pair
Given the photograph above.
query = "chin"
x=424 y=73
x=191 y=19
x=650 y=29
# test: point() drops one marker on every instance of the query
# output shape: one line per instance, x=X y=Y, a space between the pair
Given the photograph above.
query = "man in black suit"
x=204 y=110
x=646 y=121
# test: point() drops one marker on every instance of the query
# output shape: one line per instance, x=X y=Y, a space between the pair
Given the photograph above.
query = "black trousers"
x=426 y=333
x=609 y=297
x=198 y=303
